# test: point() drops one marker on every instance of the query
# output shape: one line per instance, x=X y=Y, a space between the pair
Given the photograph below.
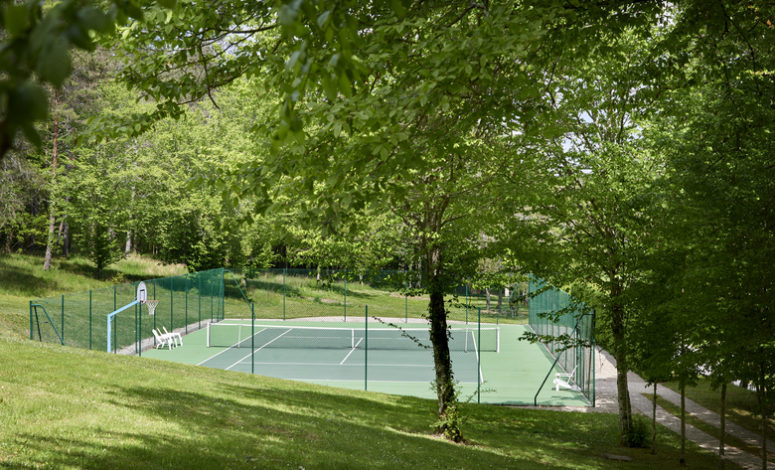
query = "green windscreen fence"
x=79 y=319
x=570 y=325
x=293 y=293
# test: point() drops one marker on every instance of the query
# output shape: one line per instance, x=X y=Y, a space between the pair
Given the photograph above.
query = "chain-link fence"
x=567 y=326
x=80 y=318
x=307 y=293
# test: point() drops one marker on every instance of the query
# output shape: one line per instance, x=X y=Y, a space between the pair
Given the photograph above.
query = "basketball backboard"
x=142 y=292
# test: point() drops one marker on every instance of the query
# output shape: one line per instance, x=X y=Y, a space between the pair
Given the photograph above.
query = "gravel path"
x=606 y=402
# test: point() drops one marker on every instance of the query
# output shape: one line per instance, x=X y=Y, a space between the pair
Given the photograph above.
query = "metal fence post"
x=90 y=319
x=186 y=313
x=252 y=339
x=140 y=331
x=63 y=319
x=479 y=359
x=466 y=303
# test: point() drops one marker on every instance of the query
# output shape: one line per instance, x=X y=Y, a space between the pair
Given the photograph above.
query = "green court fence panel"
x=553 y=312
x=302 y=293
x=79 y=319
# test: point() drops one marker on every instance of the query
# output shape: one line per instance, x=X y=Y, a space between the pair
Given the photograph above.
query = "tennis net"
x=230 y=335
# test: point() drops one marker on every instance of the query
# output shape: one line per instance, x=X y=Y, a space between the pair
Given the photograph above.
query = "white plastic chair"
x=174 y=336
x=162 y=340
x=566 y=380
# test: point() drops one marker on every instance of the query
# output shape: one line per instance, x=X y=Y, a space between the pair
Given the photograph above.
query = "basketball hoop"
x=151 y=306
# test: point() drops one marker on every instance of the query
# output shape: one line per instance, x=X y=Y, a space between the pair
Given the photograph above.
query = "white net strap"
x=151 y=306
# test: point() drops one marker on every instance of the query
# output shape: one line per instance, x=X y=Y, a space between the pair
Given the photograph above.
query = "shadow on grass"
x=261 y=428
x=26 y=282
x=85 y=268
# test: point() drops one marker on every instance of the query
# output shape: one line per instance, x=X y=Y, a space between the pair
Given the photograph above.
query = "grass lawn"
x=740 y=403
x=70 y=408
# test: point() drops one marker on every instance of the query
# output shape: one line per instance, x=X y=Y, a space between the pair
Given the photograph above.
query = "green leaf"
x=294 y=58
x=31 y=134
x=79 y=35
x=323 y=18
x=54 y=62
x=92 y=18
x=28 y=103
x=16 y=19
x=167 y=3
x=398 y=8
x=289 y=12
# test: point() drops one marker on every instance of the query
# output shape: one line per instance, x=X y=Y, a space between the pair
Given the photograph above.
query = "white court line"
x=370 y=381
x=259 y=349
x=227 y=349
x=351 y=351
x=317 y=364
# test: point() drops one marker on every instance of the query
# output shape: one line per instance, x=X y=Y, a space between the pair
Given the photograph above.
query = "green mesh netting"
x=79 y=319
x=555 y=313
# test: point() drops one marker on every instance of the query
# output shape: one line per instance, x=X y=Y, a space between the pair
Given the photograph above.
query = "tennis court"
x=489 y=363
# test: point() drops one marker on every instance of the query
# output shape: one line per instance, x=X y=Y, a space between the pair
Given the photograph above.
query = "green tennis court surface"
x=335 y=354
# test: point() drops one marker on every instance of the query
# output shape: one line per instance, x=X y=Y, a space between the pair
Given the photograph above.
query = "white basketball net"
x=151 y=306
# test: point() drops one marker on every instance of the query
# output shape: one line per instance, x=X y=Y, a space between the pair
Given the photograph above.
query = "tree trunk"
x=487 y=293
x=60 y=232
x=723 y=423
x=654 y=421
x=761 y=397
x=622 y=388
x=128 y=246
x=500 y=300
x=683 y=421
x=54 y=151
x=66 y=241
x=444 y=383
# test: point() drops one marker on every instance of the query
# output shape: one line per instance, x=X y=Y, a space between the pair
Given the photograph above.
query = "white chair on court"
x=566 y=380
x=162 y=339
x=175 y=336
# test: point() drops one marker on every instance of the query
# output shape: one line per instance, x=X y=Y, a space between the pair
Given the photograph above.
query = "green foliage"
x=450 y=423
x=639 y=435
x=102 y=245
x=35 y=51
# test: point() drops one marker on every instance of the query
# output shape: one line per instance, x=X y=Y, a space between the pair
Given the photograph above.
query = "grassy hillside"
x=70 y=408
x=22 y=279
